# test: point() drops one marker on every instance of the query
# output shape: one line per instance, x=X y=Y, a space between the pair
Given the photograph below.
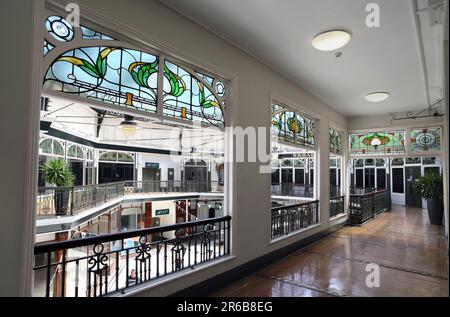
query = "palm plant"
x=58 y=173
x=430 y=187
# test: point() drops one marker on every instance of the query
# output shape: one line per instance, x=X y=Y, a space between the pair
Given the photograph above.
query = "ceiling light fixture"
x=331 y=40
x=128 y=126
x=377 y=96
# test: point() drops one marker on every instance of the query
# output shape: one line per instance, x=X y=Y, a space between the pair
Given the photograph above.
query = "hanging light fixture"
x=128 y=126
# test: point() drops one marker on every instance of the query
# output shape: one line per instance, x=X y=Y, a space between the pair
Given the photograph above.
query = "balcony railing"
x=366 y=206
x=337 y=206
x=60 y=201
x=293 y=190
x=113 y=263
x=292 y=218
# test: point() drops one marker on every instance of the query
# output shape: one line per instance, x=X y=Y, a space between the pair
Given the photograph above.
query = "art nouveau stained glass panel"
x=89 y=34
x=185 y=97
x=425 y=140
x=335 y=141
x=378 y=143
x=113 y=75
x=293 y=128
x=59 y=28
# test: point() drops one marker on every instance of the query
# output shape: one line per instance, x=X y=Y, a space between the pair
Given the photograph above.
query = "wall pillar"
x=19 y=125
x=322 y=172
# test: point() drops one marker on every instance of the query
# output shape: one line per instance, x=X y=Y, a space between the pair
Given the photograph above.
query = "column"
x=19 y=122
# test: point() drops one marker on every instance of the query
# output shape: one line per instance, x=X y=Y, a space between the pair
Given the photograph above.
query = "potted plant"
x=58 y=173
x=430 y=187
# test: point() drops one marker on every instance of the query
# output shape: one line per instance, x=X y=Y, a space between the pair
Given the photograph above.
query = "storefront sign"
x=151 y=165
x=161 y=212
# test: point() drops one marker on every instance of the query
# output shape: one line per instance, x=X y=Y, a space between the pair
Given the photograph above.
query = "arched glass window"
x=115 y=73
x=75 y=151
x=116 y=157
x=293 y=128
x=51 y=147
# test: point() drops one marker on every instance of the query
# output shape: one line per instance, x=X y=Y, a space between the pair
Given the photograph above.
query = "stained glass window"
x=59 y=28
x=188 y=98
x=335 y=141
x=425 y=140
x=113 y=75
x=293 y=128
x=128 y=77
x=377 y=143
x=89 y=34
x=47 y=47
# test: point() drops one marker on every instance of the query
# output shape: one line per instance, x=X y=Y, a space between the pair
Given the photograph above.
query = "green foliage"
x=430 y=186
x=58 y=173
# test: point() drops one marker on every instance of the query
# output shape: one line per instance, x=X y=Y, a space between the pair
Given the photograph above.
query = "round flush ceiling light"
x=377 y=96
x=331 y=40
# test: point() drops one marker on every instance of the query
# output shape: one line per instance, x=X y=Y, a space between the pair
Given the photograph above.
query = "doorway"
x=412 y=173
x=369 y=178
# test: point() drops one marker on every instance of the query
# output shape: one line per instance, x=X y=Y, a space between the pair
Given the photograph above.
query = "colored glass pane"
x=187 y=98
x=425 y=140
x=118 y=76
x=376 y=143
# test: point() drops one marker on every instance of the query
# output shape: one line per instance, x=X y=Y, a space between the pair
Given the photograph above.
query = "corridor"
x=411 y=254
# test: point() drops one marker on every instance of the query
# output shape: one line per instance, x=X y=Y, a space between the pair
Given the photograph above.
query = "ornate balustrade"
x=113 y=263
x=292 y=218
x=366 y=206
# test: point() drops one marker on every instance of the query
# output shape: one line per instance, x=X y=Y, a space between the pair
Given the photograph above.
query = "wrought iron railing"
x=337 y=206
x=60 y=201
x=293 y=190
x=292 y=218
x=366 y=206
x=113 y=263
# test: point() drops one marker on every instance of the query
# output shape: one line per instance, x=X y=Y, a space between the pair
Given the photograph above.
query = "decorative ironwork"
x=114 y=263
x=337 y=206
x=97 y=269
x=366 y=206
x=292 y=218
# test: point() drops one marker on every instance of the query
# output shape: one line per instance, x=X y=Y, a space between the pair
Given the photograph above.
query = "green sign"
x=151 y=165
x=161 y=212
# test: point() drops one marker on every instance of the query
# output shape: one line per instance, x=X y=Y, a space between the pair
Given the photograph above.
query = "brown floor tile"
x=412 y=255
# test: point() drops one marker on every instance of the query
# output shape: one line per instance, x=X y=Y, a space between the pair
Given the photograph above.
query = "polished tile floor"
x=410 y=252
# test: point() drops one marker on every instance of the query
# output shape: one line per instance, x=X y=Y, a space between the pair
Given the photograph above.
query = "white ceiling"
x=279 y=33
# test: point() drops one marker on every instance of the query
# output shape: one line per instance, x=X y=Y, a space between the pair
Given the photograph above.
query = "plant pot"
x=435 y=210
x=61 y=202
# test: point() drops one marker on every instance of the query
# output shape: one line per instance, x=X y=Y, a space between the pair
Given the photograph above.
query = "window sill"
x=337 y=217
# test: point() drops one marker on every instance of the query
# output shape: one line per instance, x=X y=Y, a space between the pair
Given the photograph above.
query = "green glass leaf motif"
x=202 y=100
x=177 y=85
x=98 y=70
x=141 y=72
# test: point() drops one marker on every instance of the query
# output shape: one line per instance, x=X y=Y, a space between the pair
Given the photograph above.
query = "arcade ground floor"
x=411 y=253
